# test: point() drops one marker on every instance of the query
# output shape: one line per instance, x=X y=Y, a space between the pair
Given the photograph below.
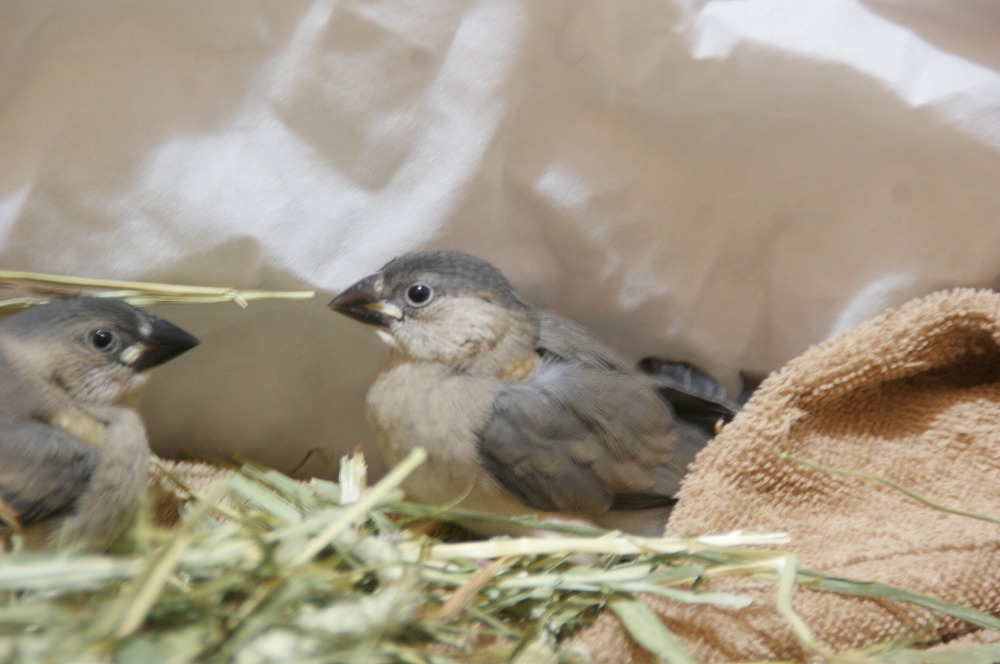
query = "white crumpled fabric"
x=719 y=182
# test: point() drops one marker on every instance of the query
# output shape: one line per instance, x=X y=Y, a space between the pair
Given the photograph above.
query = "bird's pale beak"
x=362 y=302
x=163 y=342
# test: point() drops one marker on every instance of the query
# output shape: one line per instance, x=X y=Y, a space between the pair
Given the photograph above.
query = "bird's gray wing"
x=564 y=339
x=43 y=469
x=576 y=438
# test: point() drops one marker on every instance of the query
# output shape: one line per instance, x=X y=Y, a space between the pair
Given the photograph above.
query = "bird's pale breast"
x=416 y=404
x=116 y=487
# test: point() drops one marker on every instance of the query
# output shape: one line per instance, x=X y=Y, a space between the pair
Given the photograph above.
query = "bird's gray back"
x=565 y=339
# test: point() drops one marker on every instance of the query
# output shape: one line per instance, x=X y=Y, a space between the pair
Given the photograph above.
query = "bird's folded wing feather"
x=694 y=395
x=577 y=438
x=43 y=470
x=564 y=339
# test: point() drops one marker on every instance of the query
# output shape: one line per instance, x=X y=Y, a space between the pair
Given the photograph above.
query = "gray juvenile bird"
x=522 y=410
x=73 y=450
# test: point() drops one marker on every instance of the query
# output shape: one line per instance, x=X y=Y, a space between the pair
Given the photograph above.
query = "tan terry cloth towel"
x=913 y=396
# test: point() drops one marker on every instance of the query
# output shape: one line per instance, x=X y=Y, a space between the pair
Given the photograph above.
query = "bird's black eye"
x=419 y=294
x=101 y=339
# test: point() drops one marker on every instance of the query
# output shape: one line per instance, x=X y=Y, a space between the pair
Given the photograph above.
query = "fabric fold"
x=912 y=396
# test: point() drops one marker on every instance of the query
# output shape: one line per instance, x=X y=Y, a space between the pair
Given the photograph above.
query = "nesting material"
x=260 y=567
x=908 y=400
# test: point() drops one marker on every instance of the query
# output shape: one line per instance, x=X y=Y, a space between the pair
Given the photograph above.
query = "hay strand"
x=44 y=287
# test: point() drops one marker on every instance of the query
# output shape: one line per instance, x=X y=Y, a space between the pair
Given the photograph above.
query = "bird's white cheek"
x=102 y=386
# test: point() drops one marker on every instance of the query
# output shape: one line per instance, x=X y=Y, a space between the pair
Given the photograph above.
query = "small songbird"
x=74 y=456
x=521 y=411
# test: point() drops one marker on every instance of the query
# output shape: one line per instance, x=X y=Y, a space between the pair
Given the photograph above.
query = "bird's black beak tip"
x=337 y=304
x=360 y=302
x=165 y=342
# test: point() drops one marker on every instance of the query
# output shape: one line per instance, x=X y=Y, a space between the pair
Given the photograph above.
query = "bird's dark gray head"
x=411 y=282
x=454 y=272
x=94 y=348
x=441 y=304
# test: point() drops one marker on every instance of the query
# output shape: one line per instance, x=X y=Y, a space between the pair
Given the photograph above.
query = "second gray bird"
x=521 y=411
x=73 y=451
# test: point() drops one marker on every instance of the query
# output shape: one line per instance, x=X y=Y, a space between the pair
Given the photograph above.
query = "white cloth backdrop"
x=721 y=182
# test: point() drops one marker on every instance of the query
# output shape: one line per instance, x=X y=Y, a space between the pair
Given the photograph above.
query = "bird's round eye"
x=101 y=339
x=419 y=294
